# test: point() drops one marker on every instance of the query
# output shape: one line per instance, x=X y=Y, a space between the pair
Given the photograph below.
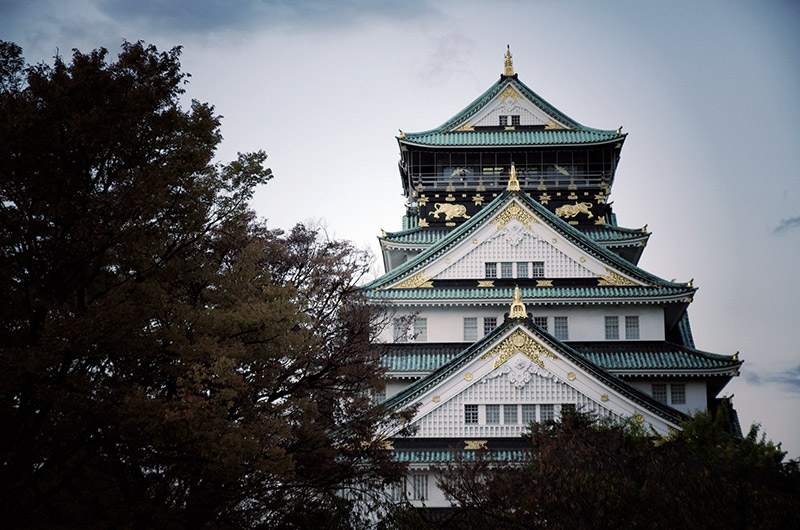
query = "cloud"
x=787 y=224
x=200 y=16
x=789 y=379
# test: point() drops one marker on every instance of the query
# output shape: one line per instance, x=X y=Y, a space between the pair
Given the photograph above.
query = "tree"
x=584 y=473
x=166 y=360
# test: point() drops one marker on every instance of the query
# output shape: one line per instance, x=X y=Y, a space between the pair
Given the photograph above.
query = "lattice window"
x=418 y=487
x=541 y=322
x=528 y=413
x=509 y=414
x=503 y=121
x=561 y=328
x=660 y=392
x=491 y=270
x=515 y=119
x=489 y=323
x=677 y=393
x=506 y=269
x=471 y=414
x=400 y=330
x=546 y=412
x=492 y=414
x=522 y=269
x=632 y=327
x=470 y=328
x=537 y=268
x=612 y=328
x=421 y=329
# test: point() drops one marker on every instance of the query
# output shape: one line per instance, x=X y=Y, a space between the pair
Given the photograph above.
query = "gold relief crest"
x=514 y=211
x=612 y=279
x=418 y=280
x=518 y=342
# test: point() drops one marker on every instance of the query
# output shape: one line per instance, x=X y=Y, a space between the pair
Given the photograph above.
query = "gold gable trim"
x=518 y=342
x=416 y=281
x=514 y=211
x=613 y=279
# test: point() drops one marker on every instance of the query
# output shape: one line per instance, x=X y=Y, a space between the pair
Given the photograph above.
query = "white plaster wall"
x=586 y=323
x=695 y=392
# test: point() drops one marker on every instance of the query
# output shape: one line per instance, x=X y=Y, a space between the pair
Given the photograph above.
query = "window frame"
x=493 y=414
x=612 y=327
x=632 y=327
x=471 y=416
x=489 y=323
x=561 y=327
x=471 y=332
x=420 y=330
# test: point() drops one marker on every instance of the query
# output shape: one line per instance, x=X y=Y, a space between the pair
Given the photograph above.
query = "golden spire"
x=509 y=69
x=513 y=183
x=517 y=307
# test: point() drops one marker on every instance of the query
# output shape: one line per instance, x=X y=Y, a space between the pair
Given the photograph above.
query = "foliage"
x=585 y=473
x=167 y=361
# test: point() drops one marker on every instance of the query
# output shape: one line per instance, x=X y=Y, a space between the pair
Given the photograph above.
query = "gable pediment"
x=510 y=101
x=520 y=366
x=513 y=233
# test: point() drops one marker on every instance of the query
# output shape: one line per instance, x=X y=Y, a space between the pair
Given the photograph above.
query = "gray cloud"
x=789 y=379
x=787 y=224
x=198 y=16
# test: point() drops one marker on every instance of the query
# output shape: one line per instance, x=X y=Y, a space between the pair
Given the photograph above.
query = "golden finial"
x=517 y=307
x=383 y=232
x=402 y=134
x=509 y=69
x=513 y=183
x=736 y=356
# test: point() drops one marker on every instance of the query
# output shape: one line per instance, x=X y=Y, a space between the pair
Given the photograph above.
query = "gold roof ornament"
x=513 y=183
x=517 y=307
x=509 y=69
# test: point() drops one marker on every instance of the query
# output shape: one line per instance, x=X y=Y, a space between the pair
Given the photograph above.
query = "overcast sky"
x=707 y=90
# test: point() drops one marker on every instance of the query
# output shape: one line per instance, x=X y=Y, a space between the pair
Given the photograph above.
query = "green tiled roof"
x=567 y=231
x=606 y=234
x=509 y=138
x=634 y=355
x=574 y=134
x=530 y=294
x=416 y=235
x=613 y=356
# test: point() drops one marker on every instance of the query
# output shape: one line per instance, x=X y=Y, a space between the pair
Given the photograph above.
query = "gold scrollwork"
x=467 y=127
x=544 y=283
x=514 y=211
x=485 y=283
x=508 y=93
x=518 y=342
x=612 y=279
x=474 y=445
x=419 y=280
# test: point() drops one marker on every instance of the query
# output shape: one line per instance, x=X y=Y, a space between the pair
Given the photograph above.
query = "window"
x=546 y=412
x=561 y=328
x=398 y=491
x=470 y=328
x=492 y=414
x=612 y=328
x=515 y=119
x=489 y=323
x=506 y=270
x=528 y=414
x=503 y=120
x=678 y=393
x=660 y=392
x=400 y=330
x=510 y=414
x=541 y=322
x=537 y=269
x=418 y=487
x=491 y=270
x=471 y=414
x=567 y=409
x=522 y=269
x=631 y=327
x=421 y=329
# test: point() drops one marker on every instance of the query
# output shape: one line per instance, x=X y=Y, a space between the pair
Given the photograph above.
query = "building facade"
x=516 y=294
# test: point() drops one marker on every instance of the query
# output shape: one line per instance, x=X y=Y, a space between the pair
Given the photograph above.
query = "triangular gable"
x=535 y=109
x=517 y=213
x=518 y=363
x=511 y=101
